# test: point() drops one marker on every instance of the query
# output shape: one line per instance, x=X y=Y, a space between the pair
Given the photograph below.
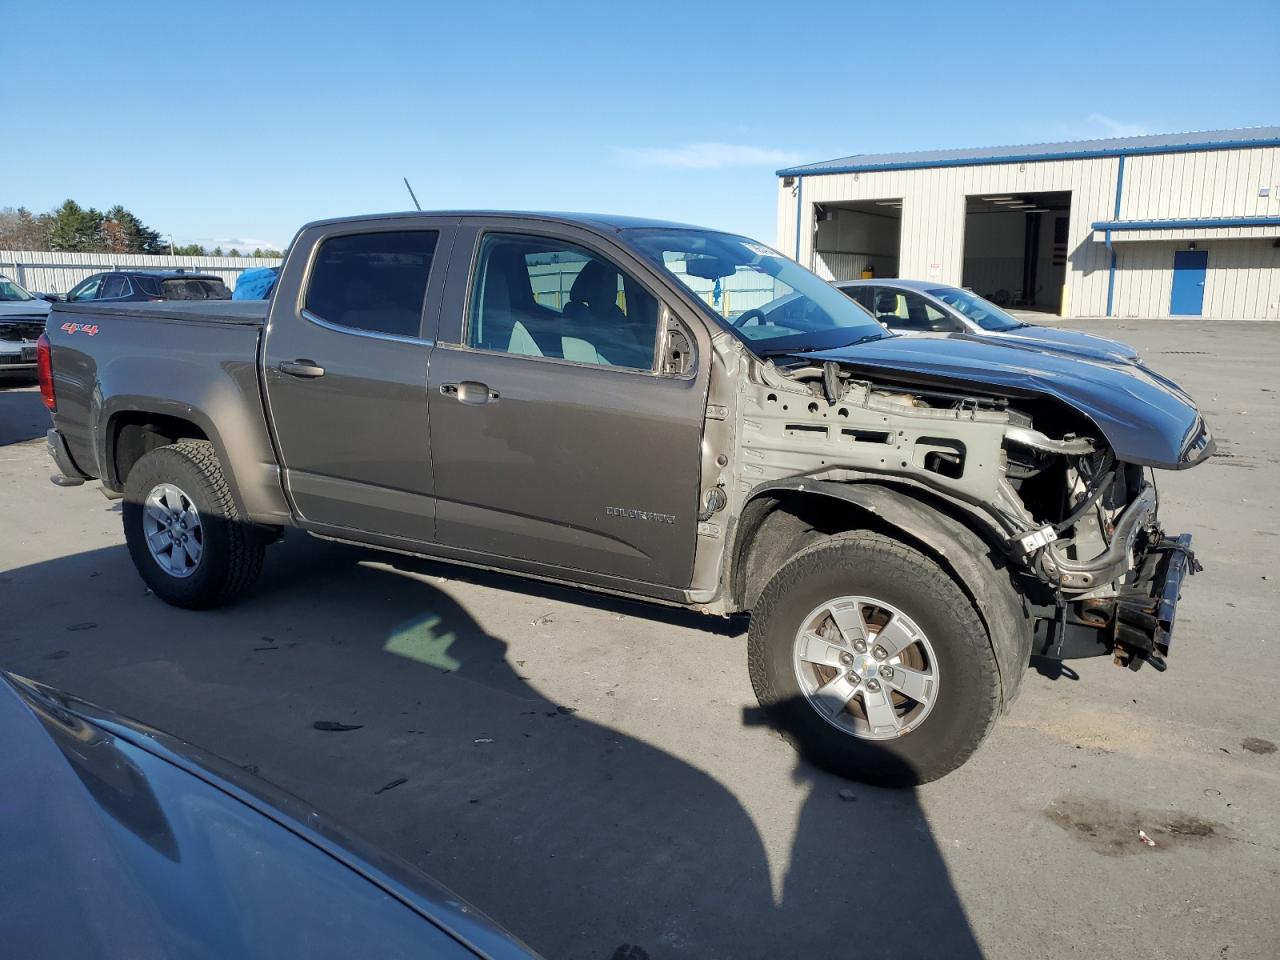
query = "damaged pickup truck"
x=658 y=411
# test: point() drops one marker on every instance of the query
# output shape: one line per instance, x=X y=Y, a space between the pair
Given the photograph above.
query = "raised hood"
x=1144 y=417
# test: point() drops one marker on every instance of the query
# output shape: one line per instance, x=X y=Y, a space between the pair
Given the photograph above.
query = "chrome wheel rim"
x=866 y=668
x=173 y=530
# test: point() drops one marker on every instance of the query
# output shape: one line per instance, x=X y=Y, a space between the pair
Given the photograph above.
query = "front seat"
x=599 y=324
x=887 y=313
x=503 y=293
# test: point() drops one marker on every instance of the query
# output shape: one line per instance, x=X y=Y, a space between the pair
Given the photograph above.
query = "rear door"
x=345 y=367
x=557 y=439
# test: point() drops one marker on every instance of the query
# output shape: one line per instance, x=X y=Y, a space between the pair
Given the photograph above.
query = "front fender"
x=982 y=571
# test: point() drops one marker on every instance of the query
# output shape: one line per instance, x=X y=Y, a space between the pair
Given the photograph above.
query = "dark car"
x=120 y=841
x=924 y=306
x=126 y=286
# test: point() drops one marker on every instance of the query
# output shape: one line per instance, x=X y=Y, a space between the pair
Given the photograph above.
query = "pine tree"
x=76 y=229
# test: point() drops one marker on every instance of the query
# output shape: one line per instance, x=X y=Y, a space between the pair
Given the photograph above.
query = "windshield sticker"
x=760 y=250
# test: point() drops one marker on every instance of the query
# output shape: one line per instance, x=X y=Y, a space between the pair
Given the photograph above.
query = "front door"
x=555 y=438
x=346 y=375
x=1189 y=269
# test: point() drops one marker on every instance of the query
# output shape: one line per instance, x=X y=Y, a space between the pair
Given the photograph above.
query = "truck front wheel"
x=184 y=532
x=873 y=662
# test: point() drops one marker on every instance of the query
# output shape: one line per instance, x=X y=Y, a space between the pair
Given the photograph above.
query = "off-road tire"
x=869 y=564
x=233 y=549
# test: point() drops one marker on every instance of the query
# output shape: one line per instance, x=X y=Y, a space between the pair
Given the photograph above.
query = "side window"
x=865 y=296
x=373 y=281
x=87 y=290
x=148 y=287
x=888 y=307
x=922 y=315
x=114 y=286
x=539 y=297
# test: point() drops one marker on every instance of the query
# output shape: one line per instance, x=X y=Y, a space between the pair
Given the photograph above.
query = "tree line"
x=76 y=229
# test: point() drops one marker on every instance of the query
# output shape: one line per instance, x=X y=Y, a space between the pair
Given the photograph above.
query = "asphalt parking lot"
x=592 y=773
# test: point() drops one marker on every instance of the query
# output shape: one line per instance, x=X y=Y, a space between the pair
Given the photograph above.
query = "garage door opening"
x=858 y=238
x=1015 y=248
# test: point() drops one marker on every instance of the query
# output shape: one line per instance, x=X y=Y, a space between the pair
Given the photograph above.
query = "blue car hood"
x=120 y=842
x=1144 y=417
x=1069 y=341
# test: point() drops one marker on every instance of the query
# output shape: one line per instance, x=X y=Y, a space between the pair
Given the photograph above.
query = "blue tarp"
x=255 y=284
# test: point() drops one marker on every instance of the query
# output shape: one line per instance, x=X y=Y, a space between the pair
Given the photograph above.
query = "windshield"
x=10 y=291
x=771 y=302
x=982 y=312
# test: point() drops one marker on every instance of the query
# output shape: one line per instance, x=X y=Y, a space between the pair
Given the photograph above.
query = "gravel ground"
x=592 y=772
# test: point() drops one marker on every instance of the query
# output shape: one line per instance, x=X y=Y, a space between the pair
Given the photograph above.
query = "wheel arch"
x=130 y=434
x=783 y=517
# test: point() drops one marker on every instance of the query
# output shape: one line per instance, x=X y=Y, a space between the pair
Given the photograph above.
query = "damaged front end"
x=1029 y=463
x=1113 y=573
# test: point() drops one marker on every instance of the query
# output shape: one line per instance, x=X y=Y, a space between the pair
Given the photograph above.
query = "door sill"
x=562 y=576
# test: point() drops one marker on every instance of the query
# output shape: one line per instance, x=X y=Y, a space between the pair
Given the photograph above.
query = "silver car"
x=922 y=306
x=22 y=317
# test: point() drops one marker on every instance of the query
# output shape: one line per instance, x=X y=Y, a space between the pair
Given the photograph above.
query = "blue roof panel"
x=1066 y=150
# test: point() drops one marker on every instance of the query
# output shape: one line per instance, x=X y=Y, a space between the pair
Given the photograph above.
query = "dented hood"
x=1146 y=418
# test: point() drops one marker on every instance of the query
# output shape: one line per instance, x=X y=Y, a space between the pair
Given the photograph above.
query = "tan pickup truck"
x=660 y=411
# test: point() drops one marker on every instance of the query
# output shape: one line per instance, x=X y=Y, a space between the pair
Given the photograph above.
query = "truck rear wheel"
x=184 y=532
x=873 y=662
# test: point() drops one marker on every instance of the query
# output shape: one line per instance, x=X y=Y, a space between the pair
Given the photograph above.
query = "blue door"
x=1187 y=299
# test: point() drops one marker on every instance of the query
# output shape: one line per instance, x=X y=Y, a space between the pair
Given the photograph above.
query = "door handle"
x=469 y=392
x=306 y=369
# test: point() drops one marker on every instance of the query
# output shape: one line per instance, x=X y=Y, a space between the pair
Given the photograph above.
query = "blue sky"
x=230 y=123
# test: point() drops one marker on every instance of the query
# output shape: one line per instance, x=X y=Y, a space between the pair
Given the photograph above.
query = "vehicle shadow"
x=585 y=841
x=22 y=415
x=1052 y=669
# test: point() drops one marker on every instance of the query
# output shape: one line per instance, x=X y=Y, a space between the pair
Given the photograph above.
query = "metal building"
x=1177 y=224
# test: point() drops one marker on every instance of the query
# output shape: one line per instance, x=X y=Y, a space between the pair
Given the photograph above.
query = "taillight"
x=44 y=366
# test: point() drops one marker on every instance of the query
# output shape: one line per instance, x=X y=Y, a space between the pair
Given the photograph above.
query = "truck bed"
x=190 y=360
x=251 y=313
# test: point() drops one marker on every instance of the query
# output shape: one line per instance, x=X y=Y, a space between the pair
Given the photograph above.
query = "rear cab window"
x=372 y=282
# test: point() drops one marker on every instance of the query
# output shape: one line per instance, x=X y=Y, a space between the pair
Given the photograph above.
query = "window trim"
x=314 y=318
x=320 y=321
x=654 y=368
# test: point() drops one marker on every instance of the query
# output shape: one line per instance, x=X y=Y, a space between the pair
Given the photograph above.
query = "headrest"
x=596 y=284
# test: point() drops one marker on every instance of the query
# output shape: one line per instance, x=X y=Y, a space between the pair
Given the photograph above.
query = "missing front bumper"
x=1145 y=613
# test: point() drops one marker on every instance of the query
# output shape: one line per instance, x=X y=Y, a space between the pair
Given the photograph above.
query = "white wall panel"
x=1242 y=278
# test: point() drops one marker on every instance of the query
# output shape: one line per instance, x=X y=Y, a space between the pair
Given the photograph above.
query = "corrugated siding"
x=933 y=214
x=1201 y=184
x=54 y=272
x=1218 y=183
x=1191 y=233
x=1242 y=280
x=845 y=266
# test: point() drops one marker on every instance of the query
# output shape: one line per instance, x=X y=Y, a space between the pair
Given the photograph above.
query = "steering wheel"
x=753 y=314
